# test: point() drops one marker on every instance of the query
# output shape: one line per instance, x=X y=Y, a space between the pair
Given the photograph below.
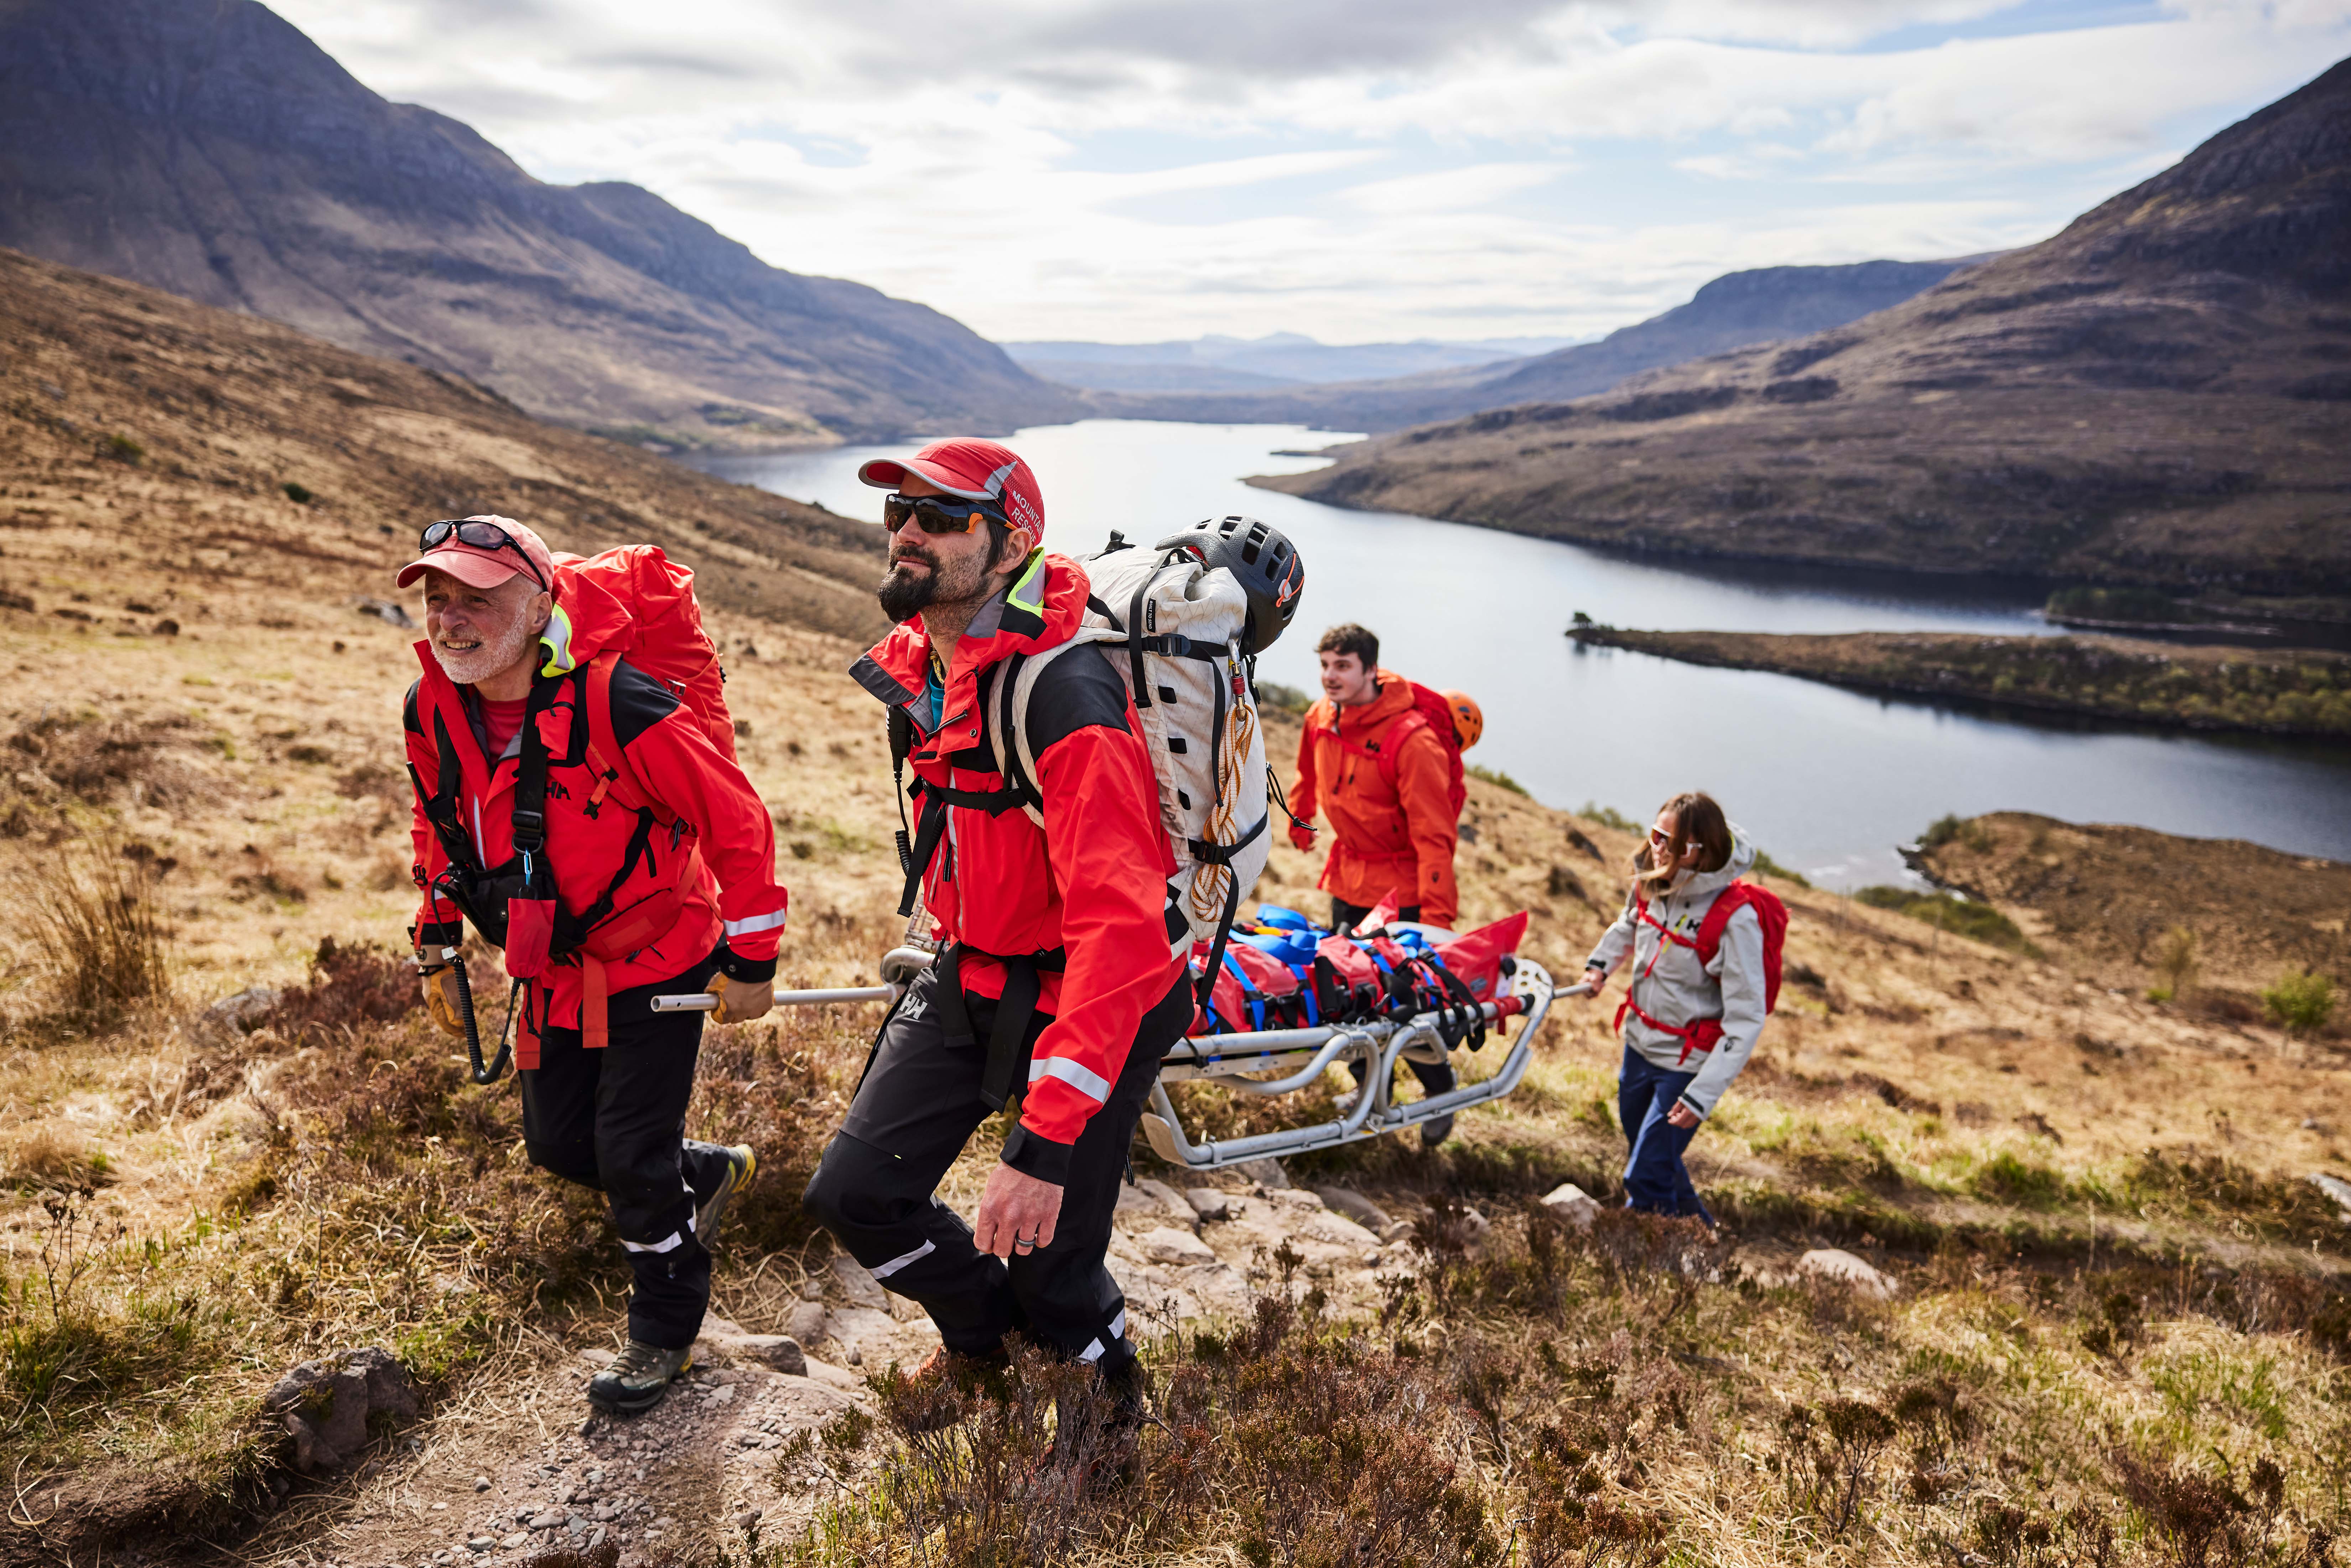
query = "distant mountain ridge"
x=1219 y=363
x=1765 y=304
x=208 y=148
x=2161 y=394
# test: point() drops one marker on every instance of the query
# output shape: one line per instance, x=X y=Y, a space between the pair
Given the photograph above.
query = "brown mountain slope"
x=137 y=429
x=2106 y=896
x=2161 y=394
x=209 y=148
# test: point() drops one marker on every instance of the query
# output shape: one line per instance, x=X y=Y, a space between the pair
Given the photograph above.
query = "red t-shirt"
x=503 y=722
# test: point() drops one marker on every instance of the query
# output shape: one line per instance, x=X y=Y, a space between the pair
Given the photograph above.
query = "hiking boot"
x=1129 y=1390
x=742 y=1165
x=1436 y=1130
x=1093 y=1461
x=638 y=1378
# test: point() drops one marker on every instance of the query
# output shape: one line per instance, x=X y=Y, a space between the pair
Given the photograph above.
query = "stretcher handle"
x=704 y=1001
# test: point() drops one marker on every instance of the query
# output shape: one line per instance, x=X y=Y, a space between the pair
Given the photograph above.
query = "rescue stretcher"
x=1294 y=1057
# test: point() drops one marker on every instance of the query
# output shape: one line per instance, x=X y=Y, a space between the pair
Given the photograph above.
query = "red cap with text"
x=972 y=469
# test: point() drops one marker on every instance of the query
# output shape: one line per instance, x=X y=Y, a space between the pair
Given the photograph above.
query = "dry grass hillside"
x=2112 y=897
x=2119 y=1331
x=192 y=448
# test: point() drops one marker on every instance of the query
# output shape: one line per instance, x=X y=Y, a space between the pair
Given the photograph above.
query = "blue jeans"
x=1655 y=1180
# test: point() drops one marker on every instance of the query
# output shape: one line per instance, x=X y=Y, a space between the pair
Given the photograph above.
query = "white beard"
x=480 y=663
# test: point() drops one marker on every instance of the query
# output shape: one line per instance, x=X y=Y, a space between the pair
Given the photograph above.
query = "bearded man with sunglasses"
x=1061 y=977
x=556 y=783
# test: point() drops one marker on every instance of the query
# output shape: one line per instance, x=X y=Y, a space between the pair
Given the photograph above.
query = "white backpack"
x=1172 y=628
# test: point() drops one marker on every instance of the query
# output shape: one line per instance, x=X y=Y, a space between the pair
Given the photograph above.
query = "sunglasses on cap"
x=936 y=514
x=481 y=536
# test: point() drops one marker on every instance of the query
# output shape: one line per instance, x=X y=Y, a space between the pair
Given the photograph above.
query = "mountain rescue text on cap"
x=975 y=470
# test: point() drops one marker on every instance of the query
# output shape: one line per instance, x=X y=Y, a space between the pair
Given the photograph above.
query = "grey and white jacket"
x=1674 y=987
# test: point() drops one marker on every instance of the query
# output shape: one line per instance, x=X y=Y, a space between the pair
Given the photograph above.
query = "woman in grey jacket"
x=1690 y=1018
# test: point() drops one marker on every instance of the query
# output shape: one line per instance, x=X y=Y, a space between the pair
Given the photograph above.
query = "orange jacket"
x=1385 y=841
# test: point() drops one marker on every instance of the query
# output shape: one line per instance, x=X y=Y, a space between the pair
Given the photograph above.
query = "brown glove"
x=739 y=1001
x=441 y=1001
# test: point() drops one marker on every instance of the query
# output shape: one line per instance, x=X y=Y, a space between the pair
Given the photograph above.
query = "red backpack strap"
x=1770 y=913
x=1406 y=725
x=606 y=759
x=1726 y=902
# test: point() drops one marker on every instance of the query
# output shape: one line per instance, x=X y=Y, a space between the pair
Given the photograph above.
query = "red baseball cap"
x=485 y=565
x=974 y=469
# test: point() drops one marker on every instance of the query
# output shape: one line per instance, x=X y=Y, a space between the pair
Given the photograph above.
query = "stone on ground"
x=1208 y=1203
x=1176 y=1247
x=1356 y=1207
x=1834 y=1263
x=861 y=1287
x=1267 y=1173
x=1579 y=1207
x=808 y=1322
x=325 y=1405
x=1172 y=1204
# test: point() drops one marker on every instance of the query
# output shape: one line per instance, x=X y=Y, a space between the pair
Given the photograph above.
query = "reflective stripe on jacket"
x=1668 y=982
x=1384 y=840
x=1092 y=880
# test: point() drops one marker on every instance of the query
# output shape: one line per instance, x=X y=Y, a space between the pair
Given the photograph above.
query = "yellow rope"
x=1209 y=883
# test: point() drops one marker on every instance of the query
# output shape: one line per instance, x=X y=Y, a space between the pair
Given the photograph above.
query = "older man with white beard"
x=585 y=821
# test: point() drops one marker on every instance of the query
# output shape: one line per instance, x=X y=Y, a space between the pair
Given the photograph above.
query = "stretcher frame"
x=1294 y=1057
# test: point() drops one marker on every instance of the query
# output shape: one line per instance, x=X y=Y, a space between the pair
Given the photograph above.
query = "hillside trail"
x=520 y=1466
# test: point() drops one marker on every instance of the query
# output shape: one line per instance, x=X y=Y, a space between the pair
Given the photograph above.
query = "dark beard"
x=906 y=594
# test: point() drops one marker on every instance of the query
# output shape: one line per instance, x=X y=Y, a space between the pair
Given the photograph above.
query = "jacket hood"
x=586 y=620
x=1039 y=608
x=1706 y=884
x=1395 y=696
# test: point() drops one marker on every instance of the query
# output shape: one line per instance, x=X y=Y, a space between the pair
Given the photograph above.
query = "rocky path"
x=737 y=1448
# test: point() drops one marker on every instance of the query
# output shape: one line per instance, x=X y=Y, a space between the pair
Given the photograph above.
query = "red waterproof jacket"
x=710 y=852
x=1385 y=840
x=1092 y=880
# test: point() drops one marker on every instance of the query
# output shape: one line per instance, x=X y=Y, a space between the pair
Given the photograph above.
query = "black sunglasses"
x=481 y=536
x=936 y=514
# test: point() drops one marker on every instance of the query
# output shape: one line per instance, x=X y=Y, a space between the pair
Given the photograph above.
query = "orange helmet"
x=1469 y=718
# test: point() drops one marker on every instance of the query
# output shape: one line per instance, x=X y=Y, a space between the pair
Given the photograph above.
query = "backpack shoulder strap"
x=1408 y=723
x=1008 y=691
x=530 y=768
x=1728 y=903
x=606 y=758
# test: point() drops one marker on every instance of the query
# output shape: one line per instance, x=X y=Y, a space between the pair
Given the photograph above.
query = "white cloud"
x=1356 y=169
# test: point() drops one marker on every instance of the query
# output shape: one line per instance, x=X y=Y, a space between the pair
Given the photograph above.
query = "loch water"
x=1830 y=781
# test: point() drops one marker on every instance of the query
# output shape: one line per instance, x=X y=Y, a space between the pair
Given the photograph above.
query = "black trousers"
x=918 y=1106
x=1436 y=1077
x=614 y=1120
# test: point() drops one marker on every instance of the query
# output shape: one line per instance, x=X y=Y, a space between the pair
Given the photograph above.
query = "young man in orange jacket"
x=669 y=857
x=1385 y=779
x=1060 y=975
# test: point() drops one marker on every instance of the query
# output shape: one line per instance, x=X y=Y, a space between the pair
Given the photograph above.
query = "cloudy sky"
x=1358 y=170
